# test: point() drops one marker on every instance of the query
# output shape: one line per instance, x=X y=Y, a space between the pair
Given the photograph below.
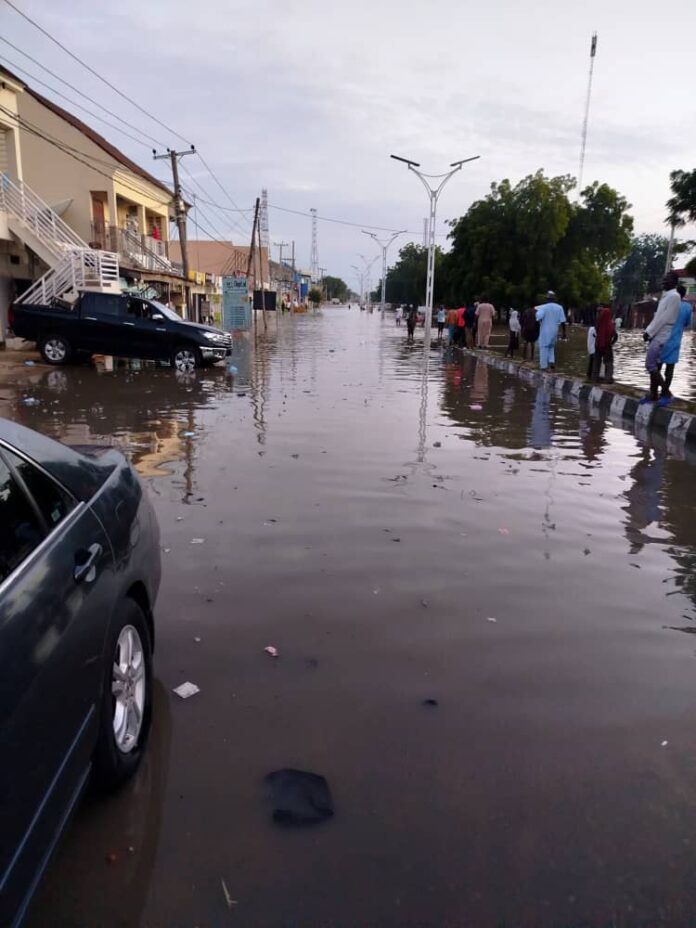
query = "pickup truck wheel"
x=55 y=349
x=186 y=359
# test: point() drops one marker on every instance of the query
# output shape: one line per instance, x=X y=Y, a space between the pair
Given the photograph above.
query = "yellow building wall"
x=58 y=176
x=9 y=93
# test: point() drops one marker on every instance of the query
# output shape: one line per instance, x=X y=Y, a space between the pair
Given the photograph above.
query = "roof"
x=89 y=133
x=211 y=257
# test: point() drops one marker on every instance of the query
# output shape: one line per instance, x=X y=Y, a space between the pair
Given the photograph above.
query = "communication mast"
x=263 y=220
x=593 y=52
x=314 y=257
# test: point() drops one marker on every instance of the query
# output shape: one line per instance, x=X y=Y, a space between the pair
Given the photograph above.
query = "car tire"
x=186 y=359
x=55 y=349
x=126 y=701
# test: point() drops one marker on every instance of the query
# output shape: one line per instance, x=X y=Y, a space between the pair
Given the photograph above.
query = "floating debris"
x=298 y=797
x=185 y=690
x=269 y=649
x=197 y=541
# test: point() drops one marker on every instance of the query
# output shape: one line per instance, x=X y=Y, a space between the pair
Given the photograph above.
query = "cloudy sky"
x=309 y=98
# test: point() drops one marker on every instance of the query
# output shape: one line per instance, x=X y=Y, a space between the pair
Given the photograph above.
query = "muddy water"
x=369 y=523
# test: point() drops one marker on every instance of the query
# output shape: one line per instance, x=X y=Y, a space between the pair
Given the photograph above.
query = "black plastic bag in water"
x=299 y=798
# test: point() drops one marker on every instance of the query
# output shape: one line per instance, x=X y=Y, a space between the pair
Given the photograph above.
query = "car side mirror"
x=157 y=317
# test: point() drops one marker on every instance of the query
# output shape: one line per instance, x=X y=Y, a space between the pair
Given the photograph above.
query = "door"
x=101 y=329
x=98 y=222
x=56 y=569
x=150 y=337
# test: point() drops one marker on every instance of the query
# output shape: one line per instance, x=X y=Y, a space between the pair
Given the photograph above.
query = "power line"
x=77 y=90
x=58 y=93
x=235 y=225
x=214 y=176
x=343 y=222
x=75 y=154
x=95 y=73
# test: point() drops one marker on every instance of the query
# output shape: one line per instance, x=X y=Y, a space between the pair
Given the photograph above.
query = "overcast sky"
x=309 y=98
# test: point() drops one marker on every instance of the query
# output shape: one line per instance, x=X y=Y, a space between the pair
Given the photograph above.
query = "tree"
x=336 y=289
x=406 y=279
x=520 y=241
x=641 y=272
x=682 y=203
x=315 y=296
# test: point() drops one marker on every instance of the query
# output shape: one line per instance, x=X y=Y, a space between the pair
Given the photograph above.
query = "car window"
x=138 y=309
x=20 y=529
x=102 y=304
x=52 y=500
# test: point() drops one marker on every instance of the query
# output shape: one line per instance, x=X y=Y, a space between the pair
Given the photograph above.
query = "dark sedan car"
x=79 y=575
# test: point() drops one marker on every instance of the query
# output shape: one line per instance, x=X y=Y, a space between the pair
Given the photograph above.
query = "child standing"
x=515 y=329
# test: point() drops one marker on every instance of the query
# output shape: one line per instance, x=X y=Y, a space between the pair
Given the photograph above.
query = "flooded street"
x=464 y=538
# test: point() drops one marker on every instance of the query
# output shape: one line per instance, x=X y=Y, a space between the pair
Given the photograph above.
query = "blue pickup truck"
x=121 y=325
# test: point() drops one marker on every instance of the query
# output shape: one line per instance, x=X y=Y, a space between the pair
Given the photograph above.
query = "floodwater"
x=371 y=524
x=629 y=360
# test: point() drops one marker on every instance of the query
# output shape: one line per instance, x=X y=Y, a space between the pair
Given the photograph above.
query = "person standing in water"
x=440 y=322
x=452 y=327
x=485 y=313
x=604 y=345
x=657 y=334
x=551 y=315
x=411 y=320
x=530 y=332
x=515 y=329
x=670 y=351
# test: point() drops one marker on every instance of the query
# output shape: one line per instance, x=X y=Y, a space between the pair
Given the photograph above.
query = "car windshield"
x=166 y=311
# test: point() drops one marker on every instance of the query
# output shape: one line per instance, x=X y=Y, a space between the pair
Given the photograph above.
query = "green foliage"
x=315 y=296
x=520 y=241
x=642 y=270
x=406 y=280
x=336 y=289
x=682 y=203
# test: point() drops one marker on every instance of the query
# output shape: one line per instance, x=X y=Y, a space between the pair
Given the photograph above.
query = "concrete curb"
x=679 y=428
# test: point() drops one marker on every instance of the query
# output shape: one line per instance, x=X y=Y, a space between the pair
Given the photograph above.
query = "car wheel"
x=126 y=705
x=186 y=359
x=55 y=349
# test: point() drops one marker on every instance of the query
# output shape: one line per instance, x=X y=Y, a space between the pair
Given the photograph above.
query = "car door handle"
x=86 y=563
x=91 y=318
x=161 y=330
x=129 y=323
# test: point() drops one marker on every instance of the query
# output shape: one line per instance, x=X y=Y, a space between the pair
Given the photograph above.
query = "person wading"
x=551 y=315
x=530 y=332
x=441 y=314
x=658 y=333
x=515 y=329
x=461 y=327
x=411 y=320
x=452 y=326
x=604 y=345
x=670 y=351
x=485 y=313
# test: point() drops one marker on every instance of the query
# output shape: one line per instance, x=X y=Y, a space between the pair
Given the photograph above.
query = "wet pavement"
x=371 y=523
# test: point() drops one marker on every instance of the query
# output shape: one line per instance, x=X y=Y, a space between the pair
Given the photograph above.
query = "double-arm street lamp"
x=384 y=245
x=361 y=278
x=368 y=268
x=433 y=192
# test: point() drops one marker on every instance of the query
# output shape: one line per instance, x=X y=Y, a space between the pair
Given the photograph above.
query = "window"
x=53 y=502
x=138 y=309
x=102 y=304
x=20 y=529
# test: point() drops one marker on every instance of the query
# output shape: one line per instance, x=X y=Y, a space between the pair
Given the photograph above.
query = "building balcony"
x=135 y=249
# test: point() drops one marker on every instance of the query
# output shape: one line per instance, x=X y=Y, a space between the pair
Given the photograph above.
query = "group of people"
x=470 y=327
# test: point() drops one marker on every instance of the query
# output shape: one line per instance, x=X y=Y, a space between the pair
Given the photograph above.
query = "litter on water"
x=184 y=690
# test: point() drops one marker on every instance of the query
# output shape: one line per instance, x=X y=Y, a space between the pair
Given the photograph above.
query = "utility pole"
x=292 y=258
x=384 y=245
x=433 y=196
x=322 y=271
x=252 y=245
x=263 y=282
x=280 y=246
x=180 y=212
x=314 y=257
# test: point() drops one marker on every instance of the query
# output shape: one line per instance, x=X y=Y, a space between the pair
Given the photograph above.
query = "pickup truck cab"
x=121 y=325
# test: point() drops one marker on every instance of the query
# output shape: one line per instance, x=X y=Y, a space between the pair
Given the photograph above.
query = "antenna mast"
x=593 y=52
x=314 y=257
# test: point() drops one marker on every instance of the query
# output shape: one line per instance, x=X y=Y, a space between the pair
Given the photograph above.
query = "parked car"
x=120 y=325
x=79 y=574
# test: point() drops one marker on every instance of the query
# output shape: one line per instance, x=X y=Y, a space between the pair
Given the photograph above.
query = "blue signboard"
x=236 y=313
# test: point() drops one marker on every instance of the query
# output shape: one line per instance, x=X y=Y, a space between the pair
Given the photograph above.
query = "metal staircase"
x=73 y=265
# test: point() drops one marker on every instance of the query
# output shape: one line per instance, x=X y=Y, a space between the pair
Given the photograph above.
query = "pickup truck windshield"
x=166 y=311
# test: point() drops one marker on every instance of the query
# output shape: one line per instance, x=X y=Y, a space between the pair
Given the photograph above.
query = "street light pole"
x=361 y=278
x=368 y=268
x=433 y=195
x=384 y=245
